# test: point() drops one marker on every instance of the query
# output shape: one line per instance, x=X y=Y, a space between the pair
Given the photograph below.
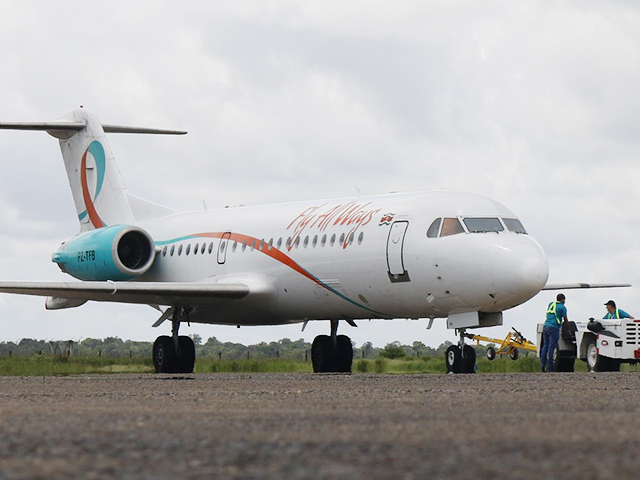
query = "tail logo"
x=97 y=152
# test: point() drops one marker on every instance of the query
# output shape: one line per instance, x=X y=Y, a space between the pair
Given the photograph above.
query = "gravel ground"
x=295 y=426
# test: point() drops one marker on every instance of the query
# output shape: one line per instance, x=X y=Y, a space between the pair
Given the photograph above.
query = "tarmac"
x=299 y=426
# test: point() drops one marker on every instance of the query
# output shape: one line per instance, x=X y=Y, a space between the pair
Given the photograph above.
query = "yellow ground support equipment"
x=509 y=346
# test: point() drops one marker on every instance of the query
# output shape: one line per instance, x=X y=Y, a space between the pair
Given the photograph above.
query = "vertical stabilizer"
x=97 y=187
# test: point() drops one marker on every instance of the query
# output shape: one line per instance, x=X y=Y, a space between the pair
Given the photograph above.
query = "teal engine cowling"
x=117 y=252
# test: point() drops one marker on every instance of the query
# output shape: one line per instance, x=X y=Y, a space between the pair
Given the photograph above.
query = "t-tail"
x=98 y=190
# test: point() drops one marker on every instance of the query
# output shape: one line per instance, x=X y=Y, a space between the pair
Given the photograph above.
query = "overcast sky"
x=534 y=104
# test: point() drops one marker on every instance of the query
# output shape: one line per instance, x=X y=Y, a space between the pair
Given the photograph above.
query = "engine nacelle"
x=117 y=252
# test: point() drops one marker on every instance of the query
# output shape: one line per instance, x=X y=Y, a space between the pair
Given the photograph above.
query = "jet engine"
x=117 y=252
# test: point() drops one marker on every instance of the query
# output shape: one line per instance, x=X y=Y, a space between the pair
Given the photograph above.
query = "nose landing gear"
x=460 y=358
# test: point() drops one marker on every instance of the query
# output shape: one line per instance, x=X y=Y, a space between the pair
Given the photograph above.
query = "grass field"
x=43 y=365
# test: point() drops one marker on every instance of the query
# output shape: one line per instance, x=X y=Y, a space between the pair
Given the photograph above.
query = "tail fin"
x=97 y=187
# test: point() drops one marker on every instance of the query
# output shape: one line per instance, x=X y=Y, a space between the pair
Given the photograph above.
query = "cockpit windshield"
x=514 y=225
x=483 y=225
x=444 y=227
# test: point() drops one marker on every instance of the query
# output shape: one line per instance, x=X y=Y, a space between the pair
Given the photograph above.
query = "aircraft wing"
x=150 y=293
x=569 y=286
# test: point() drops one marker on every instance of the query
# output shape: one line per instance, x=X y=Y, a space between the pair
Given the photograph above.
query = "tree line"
x=213 y=349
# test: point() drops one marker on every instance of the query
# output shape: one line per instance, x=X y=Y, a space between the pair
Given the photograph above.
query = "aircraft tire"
x=344 y=355
x=453 y=358
x=164 y=355
x=323 y=354
x=564 y=364
x=187 y=358
x=491 y=353
x=469 y=359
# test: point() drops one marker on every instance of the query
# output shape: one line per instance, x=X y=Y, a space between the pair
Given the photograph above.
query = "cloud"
x=535 y=105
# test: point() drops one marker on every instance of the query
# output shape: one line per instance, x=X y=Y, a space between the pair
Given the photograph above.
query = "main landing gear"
x=332 y=353
x=461 y=358
x=175 y=353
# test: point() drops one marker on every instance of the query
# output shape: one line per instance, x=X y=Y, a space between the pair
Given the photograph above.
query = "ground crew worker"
x=613 y=312
x=556 y=314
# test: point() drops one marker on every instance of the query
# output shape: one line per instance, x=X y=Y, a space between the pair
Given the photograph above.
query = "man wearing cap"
x=613 y=312
x=556 y=314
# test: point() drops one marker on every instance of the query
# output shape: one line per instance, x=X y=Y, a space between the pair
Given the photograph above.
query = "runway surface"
x=298 y=426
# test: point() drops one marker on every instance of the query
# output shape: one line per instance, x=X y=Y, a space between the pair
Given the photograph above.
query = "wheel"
x=491 y=353
x=453 y=358
x=323 y=354
x=187 y=358
x=469 y=359
x=344 y=355
x=564 y=364
x=597 y=362
x=514 y=354
x=164 y=355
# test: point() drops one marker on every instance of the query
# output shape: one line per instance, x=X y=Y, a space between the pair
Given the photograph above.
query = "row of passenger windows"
x=260 y=244
x=444 y=227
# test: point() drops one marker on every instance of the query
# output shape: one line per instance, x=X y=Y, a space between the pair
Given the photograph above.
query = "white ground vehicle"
x=603 y=344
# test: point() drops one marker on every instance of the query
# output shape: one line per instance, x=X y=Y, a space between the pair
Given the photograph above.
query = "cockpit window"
x=514 y=225
x=451 y=226
x=483 y=225
x=433 y=229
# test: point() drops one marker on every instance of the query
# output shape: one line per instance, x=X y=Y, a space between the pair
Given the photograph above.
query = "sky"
x=534 y=104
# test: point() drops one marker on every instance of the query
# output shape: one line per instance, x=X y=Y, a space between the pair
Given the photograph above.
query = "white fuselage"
x=352 y=258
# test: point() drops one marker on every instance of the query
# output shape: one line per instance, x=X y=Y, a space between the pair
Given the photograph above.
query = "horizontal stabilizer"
x=153 y=131
x=75 y=126
x=570 y=286
x=46 y=126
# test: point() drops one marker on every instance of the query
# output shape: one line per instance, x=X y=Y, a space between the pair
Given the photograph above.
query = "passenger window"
x=233 y=247
x=333 y=239
x=360 y=238
x=270 y=246
x=204 y=247
x=432 y=232
x=483 y=225
x=279 y=244
x=451 y=226
x=514 y=225
x=323 y=242
x=297 y=242
x=315 y=241
x=211 y=247
x=196 y=248
x=180 y=250
x=306 y=241
x=164 y=251
x=351 y=239
x=173 y=249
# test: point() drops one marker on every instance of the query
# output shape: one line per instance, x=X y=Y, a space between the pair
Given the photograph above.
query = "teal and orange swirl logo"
x=97 y=152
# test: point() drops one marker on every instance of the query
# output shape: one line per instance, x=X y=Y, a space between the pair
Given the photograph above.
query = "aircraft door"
x=222 y=248
x=395 y=245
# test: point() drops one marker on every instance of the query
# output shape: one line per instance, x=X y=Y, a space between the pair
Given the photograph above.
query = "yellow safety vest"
x=552 y=309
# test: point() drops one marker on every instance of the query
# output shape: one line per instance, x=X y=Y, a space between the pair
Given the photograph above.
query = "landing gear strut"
x=461 y=358
x=332 y=353
x=177 y=353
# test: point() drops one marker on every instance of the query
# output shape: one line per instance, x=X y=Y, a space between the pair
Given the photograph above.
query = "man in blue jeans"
x=556 y=314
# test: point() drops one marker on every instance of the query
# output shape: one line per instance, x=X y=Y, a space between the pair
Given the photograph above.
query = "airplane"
x=432 y=254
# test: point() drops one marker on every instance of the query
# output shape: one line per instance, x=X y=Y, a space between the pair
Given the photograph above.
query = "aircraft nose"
x=520 y=268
